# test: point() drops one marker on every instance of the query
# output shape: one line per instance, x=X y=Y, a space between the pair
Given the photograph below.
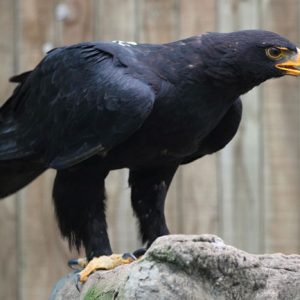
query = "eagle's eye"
x=275 y=53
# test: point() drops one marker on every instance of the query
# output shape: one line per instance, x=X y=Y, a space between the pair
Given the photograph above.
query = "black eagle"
x=93 y=107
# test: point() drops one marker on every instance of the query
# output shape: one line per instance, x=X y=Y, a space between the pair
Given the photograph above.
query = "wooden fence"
x=248 y=194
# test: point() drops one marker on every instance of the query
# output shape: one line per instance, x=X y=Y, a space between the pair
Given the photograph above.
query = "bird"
x=93 y=107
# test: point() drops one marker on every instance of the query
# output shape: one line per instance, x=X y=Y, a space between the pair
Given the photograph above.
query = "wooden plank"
x=196 y=17
x=119 y=23
x=156 y=21
x=8 y=250
x=74 y=21
x=241 y=201
x=249 y=176
x=197 y=199
x=225 y=23
x=281 y=114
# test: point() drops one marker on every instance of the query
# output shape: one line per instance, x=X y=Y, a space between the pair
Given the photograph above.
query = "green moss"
x=95 y=294
x=167 y=255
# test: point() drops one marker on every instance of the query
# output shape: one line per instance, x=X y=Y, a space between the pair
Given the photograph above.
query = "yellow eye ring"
x=275 y=53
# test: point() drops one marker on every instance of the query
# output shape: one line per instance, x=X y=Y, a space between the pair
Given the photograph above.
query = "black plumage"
x=93 y=107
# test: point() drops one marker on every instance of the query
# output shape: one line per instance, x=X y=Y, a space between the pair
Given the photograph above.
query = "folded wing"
x=79 y=101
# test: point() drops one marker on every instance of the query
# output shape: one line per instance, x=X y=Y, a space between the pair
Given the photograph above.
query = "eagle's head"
x=248 y=57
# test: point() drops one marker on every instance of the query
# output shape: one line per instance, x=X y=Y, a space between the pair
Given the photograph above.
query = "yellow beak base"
x=292 y=65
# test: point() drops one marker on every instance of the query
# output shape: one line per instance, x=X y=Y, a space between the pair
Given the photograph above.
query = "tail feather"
x=16 y=174
x=18 y=165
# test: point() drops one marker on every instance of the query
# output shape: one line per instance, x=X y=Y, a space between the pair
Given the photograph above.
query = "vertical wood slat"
x=75 y=21
x=8 y=213
x=251 y=212
x=281 y=110
x=225 y=22
x=116 y=20
x=156 y=21
x=241 y=201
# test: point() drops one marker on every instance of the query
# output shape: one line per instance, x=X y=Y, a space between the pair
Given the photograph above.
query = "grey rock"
x=192 y=267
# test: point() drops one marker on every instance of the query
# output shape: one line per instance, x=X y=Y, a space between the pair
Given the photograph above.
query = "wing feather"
x=79 y=101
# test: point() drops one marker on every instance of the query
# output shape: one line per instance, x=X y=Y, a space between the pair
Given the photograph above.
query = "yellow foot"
x=104 y=263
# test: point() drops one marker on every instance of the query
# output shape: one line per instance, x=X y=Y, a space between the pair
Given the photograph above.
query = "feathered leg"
x=148 y=192
x=79 y=199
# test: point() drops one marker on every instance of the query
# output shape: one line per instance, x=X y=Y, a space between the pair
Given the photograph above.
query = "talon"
x=78 y=283
x=129 y=255
x=139 y=252
x=105 y=263
x=76 y=264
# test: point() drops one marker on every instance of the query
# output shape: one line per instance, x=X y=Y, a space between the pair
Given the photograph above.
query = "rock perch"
x=192 y=267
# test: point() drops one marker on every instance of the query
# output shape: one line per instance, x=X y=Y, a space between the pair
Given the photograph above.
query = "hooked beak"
x=292 y=65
